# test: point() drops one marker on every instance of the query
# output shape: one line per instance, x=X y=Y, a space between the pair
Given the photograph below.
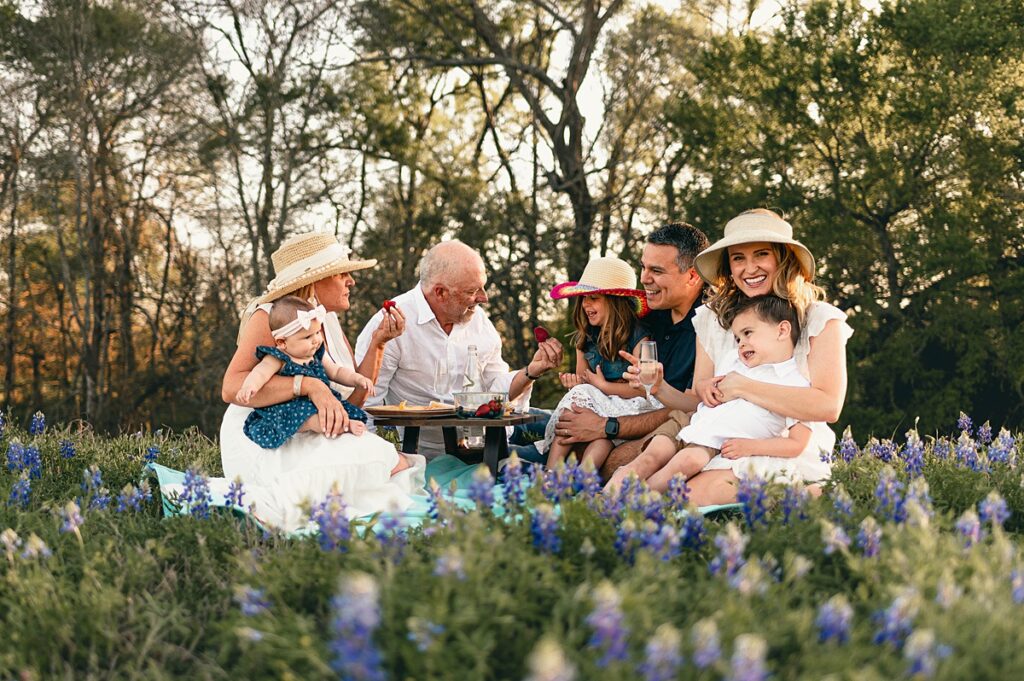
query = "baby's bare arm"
x=346 y=376
x=258 y=377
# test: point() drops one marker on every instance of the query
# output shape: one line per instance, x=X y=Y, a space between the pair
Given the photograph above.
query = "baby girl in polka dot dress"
x=299 y=351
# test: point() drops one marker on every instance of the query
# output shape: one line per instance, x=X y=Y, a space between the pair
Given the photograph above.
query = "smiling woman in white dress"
x=279 y=482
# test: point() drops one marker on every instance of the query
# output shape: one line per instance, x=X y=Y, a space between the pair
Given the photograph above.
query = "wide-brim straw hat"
x=605 y=276
x=307 y=258
x=749 y=228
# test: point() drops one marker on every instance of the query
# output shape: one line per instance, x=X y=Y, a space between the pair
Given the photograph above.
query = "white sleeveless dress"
x=278 y=482
x=720 y=345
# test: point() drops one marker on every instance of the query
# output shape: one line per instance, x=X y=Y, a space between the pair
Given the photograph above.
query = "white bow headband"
x=303 y=320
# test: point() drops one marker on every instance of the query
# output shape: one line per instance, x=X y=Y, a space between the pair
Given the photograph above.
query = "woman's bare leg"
x=597 y=451
x=689 y=461
x=713 y=487
x=402 y=464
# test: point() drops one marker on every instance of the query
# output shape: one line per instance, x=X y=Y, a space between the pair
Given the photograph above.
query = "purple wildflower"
x=834 y=618
x=923 y=653
x=1017 y=586
x=3 y=424
x=21 y=491
x=969 y=527
x=942 y=448
x=985 y=433
x=678 y=493
x=423 y=633
x=356 y=616
x=917 y=492
x=15 y=455
x=627 y=539
x=834 y=538
x=913 y=454
x=751 y=494
x=481 y=489
x=706 y=648
x=662 y=658
x=71 y=514
x=607 y=621
x=38 y=424
x=67 y=449
x=794 y=502
x=842 y=502
x=730 y=543
x=993 y=509
x=93 y=489
x=964 y=423
x=152 y=454
x=897 y=621
x=662 y=541
x=450 y=564
x=514 y=482
x=889 y=493
x=391 y=536
x=869 y=537
x=748 y=659
x=132 y=498
x=967 y=453
x=251 y=601
x=35 y=548
x=692 y=535
x=847 y=446
x=544 y=527
x=884 y=451
x=196 y=493
x=330 y=517
x=1002 y=450
x=235 y=493
x=33 y=461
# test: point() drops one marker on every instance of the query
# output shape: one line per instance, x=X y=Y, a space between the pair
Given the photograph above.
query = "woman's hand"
x=330 y=412
x=731 y=386
x=708 y=391
x=392 y=325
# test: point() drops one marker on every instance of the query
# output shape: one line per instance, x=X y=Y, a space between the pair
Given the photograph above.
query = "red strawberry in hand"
x=388 y=304
x=541 y=334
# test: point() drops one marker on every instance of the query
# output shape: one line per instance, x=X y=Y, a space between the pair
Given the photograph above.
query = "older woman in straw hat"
x=315 y=267
x=758 y=255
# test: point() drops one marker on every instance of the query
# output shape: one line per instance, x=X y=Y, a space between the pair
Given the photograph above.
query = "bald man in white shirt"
x=444 y=317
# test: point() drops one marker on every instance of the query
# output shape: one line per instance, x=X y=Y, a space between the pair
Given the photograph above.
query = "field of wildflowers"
x=908 y=566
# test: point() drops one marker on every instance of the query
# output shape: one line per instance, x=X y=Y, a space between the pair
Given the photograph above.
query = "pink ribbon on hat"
x=303 y=320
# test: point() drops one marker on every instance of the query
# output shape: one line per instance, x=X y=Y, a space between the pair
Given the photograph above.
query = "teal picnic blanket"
x=444 y=470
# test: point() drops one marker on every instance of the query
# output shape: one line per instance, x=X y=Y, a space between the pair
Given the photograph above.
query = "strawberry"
x=494 y=405
x=388 y=304
x=541 y=334
x=482 y=410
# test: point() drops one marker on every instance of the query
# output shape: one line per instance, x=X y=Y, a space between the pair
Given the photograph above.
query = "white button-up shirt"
x=712 y=426
x=411 y=361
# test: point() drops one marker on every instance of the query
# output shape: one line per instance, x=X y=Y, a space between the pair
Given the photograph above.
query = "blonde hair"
x=615 y=333
x=793 y=283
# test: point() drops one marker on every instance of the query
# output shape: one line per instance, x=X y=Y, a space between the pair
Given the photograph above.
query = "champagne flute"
x=648 y=365
x=442 y=381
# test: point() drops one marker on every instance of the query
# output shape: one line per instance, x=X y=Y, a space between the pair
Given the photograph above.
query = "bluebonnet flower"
x=889 y=493
x=649 y=503
x=693 y=535
x=1002 y=450
x=251 y=601
x=748 y=659
x=15 y=456
x=947 y=593
x=38 y=424
x=71 y=515
x=435 y=500
x=942 y=448
x=93 y=489
x=993 y=509
x=749 y=580
x=1017 y=586
x=923 y=653
x=235 y=493
x=330 y=516
x=547 y=662
x=794 y=501
x=964 y=423
x=132 y=497
x=3 y=424
x=556 y=483
x=661 y=541
x=35 y=548
x=67 y=449
x=514 y=483
x=152 y=454
x=967 y=453
x=847 y=446
x=678 y=493
x=917 y=492
x=21 y=491
x=607 y=621
x=587 y=480
x=869 y=537
x=423 y=632
x=662 y=658
x=798 y=567
x=356 y=615
x=627 y=539
x=730 y=543
x=884 y=451
x=544 y=527
x=834 y=537
x=450 y=564
x=706 y=648
x=842 y=502
x=969 y=527
x=751 y=494
x=985 y=433
x=481 y=489
x=913 y=454
x=11 y=542
x=390 y=535
x=834 y=618
x=33 y=461
x=897 y=621
x=196 y=493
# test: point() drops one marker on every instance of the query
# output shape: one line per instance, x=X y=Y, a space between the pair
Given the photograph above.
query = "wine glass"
x=648 y=365
x=442 y=380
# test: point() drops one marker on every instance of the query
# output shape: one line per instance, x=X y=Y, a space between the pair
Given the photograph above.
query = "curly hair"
x=615 y=333
x=793 y=283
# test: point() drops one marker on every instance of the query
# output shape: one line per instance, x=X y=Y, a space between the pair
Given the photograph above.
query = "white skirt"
x=588 y=396
x=280 y=482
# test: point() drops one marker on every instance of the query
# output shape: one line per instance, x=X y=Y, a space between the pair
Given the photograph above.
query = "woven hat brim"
x=571 y=289
x=708 y=261
x=282 y=289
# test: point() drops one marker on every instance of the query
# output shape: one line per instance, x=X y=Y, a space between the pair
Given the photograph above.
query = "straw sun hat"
x=605 y=276
x=307 y=258
x=749 y=228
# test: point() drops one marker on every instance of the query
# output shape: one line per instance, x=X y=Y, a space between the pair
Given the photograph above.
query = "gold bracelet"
x=297 y=385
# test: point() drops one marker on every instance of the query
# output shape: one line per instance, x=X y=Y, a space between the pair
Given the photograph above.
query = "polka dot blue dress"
x=271 y=426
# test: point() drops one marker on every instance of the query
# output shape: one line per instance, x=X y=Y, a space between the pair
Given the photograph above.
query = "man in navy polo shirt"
x=673 y=290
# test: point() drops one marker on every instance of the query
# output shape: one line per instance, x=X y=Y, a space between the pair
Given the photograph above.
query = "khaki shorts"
x=677 y=420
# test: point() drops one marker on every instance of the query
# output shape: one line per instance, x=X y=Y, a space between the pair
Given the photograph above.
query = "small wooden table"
x=495 y=440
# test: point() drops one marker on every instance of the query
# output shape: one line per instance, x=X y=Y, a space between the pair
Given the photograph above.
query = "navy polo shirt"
x=677 y=345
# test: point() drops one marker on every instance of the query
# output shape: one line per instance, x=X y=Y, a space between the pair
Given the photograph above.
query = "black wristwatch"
x=611 y=427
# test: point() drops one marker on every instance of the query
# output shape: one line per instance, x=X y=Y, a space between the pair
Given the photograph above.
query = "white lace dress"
x=279 y=482
x=601 y=404
x=720 y=345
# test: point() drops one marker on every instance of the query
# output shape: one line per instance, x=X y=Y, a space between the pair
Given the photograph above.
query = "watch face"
x=611 y=427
